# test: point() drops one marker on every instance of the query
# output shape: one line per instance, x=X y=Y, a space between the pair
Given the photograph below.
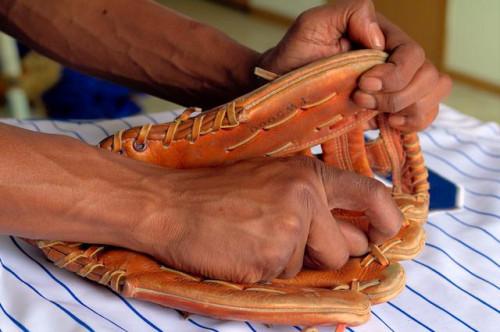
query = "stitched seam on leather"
x=347 y=309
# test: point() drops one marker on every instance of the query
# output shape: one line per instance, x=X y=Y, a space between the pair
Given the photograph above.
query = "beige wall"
x=473 y=39
x=287 y=8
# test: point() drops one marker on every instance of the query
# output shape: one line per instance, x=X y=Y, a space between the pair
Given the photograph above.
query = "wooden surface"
x=423 y=20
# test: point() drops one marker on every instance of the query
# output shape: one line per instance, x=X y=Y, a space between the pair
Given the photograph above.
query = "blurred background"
x=461 y=37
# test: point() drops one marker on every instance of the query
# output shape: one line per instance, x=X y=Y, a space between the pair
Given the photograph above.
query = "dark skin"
x=277 y=210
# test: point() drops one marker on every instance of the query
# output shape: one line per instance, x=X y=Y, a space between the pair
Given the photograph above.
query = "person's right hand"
x=260 y=219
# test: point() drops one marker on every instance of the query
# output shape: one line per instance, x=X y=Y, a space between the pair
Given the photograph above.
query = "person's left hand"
x=408 y=85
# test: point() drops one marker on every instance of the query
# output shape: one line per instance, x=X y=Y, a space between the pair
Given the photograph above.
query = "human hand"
x=408 y=86
x=260 y=219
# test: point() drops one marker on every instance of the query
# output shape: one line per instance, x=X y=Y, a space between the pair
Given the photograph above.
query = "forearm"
x=138 y=43
x=55 y=187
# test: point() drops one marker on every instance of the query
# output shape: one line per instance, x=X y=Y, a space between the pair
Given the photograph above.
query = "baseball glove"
x=287 y=116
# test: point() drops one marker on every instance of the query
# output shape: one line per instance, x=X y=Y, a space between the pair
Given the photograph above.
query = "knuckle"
x=341 y=258
x=304 y=175
x=390 y=103
x=422 y=118
x=377 y=190
x=430 y=69
x=273 y=258
x=313 y=168
x=397 y=80
x=290 y=226
x=414 y=124
x=393 y=228
x=362 y=4
x=417 y=51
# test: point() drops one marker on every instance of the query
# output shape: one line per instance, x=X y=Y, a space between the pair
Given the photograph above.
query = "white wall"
x=288 y=8
x=473 y=38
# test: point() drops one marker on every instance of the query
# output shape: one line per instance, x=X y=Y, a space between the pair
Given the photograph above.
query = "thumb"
x=360 y=21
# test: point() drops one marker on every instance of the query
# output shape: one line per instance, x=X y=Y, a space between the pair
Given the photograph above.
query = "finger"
x=424 y=81
x=420 y=115
x=350 y=191
x=353 y=18
x=295 y=264
x=357 y=242
x=406 y=57
x=326 y=245
x=361 y=23
x=345 y=45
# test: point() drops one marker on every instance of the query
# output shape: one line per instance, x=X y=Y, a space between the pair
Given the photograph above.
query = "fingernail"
x=370 y=84
x=397 y=120
x=365 y=100
x=376 y=36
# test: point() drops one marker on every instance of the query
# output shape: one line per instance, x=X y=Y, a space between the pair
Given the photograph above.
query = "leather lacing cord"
x=115 y=278
x=112 y=278
x=415 y=159
x=228 y=113
x=377 y=254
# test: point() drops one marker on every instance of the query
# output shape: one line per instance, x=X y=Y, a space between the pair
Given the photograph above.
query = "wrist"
x=230 y=70
x=149 y=213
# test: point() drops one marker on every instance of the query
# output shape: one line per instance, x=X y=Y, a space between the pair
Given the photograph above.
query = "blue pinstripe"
x=430 y=245
x=60 y=307
x=69 y=131
x=97 y=125
x=479 y=146
x=484 y=138
x=128 y=124
x=202 y=326
x=147 y=116
x=472 y=177
x=463 y=243
x=63 y=285
x=409 y=316
x=32 y=123
x=440 y=308
x=456 y=286
x=428 y=135
x=481 y=194
x=472 y=226
x=383 y=322
x=496 y=216
x=135 y=311
x=13 y=320
x=250 y=327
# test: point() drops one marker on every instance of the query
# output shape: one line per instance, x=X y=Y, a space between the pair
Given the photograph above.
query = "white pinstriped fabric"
x=452 y=286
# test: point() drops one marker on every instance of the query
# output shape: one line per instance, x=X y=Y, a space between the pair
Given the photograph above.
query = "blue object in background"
x=443 y=193
x=78 y=96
